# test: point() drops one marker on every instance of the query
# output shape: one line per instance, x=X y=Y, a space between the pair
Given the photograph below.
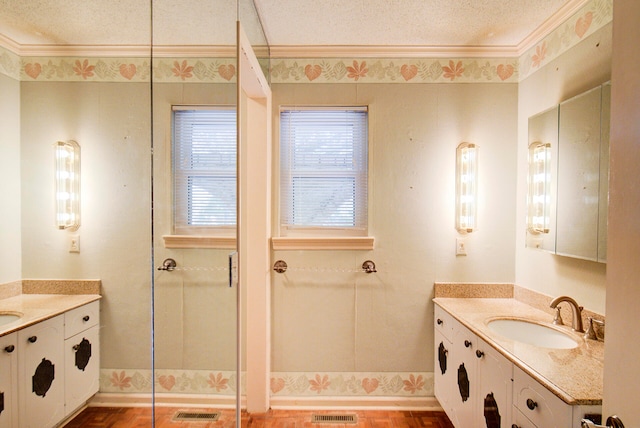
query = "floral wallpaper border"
x=216 y=382
x=590 y=18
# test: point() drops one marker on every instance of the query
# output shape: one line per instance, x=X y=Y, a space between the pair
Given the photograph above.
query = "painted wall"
x=326 y=321
x=10 y=250
x=195 y=308
x=111 y=122
x=585 y=66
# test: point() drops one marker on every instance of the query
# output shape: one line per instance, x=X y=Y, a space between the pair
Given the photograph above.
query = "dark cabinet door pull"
x=9 y=349
x=439 y=321
x=33 y=339
x=467 y=344
x=479 y=354
x=86 y=318
x=531 y=404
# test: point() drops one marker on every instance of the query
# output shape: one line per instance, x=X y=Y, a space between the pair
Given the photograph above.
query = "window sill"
x=199 y=241
x=323 y=243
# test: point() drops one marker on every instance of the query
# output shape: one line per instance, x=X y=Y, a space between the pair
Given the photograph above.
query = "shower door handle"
x=233 y=268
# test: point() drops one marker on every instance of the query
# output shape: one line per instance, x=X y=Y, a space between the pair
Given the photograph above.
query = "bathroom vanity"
x=49 y=357
x=523 y=373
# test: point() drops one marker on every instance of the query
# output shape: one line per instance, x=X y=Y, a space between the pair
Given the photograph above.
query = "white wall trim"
x=356 y=403
x=102 y=399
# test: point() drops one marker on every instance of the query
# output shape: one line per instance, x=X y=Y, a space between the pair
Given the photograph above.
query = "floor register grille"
x=196 y=416
x=334 y=419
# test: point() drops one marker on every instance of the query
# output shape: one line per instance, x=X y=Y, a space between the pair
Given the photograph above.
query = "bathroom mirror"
x=579 y=127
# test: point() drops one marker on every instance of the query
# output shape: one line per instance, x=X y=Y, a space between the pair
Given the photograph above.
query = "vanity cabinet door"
x=538 y=404
x=443 y=372
x=9 y=380
x=464 y=366
x=41 y=373
x=82 y=365
x=495 y=390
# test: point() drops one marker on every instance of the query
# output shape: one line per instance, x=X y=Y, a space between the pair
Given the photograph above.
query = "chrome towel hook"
x=369 y=267
x=168 y=264
x=280 y=266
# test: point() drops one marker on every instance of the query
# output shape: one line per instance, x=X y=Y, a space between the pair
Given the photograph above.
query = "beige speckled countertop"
x=574 y=375
x=39 y=307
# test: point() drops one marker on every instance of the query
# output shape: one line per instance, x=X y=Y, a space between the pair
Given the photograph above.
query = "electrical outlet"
x=74 y=244
x=461 y=247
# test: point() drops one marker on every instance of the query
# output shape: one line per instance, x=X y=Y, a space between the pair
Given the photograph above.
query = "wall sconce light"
x=466 y=187
x=539 y=192
x=67 y=168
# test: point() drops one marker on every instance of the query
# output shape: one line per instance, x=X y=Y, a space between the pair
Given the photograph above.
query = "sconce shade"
x=67 y=179
x=538 y=194
x=466 y=187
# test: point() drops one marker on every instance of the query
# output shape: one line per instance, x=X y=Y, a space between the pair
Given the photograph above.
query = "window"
x=323 y=166
x=204 y=170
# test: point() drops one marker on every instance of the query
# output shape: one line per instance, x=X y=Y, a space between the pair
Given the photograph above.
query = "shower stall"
x=111 y=76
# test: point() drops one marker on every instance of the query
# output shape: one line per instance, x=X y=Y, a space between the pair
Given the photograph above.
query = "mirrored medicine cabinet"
x=568 y=179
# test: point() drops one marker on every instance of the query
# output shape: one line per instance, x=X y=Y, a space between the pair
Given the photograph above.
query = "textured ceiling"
x=439 y=23
x=403 y=22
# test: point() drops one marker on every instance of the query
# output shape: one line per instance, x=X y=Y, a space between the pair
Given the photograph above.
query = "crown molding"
x=9 y=44
x=45 y=50
x=553 y=22
x=120 y=51
x=408 y=51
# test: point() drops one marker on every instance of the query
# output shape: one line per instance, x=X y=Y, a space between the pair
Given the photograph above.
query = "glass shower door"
x=194 y=123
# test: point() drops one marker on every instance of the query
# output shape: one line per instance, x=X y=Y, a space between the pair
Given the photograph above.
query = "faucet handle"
x=595 y=329
x=557 y=319
x=590 y=333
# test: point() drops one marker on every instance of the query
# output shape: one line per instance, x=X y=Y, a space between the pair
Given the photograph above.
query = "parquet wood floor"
x=136 y=417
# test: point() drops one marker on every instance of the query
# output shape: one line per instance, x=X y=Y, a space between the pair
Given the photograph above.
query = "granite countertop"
x=574 y=375
x=39 y=307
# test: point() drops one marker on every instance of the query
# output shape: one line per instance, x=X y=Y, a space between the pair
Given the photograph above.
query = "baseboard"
x=108 y=399
x=277 y=403
x=356 y=403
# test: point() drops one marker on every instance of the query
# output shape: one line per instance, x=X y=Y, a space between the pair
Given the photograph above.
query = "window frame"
x=325 y=237
x=193 y=236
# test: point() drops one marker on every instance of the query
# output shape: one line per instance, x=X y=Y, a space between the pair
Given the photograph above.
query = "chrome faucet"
x=576 y=310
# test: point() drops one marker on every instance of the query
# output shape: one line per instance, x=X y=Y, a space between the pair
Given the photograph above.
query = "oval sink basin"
x=7 y=317
x=531 y=333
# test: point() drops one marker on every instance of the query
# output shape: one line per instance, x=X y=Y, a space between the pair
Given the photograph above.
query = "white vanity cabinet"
x=9 y=380
x=41 y=373
x=81 y=355
x=49 y=369
x=476 y=390
x=534 y=406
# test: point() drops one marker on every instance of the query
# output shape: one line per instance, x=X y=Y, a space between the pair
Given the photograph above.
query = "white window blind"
x=204 y=169
x=323 y=162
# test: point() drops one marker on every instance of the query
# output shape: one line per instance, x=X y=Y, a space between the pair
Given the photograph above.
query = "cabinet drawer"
x=538 y=404
x=82 y=318
x=520 y=421
x=443 y=322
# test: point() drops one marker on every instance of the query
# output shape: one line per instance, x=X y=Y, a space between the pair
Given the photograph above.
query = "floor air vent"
x=196 y=416
x=334 y=419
